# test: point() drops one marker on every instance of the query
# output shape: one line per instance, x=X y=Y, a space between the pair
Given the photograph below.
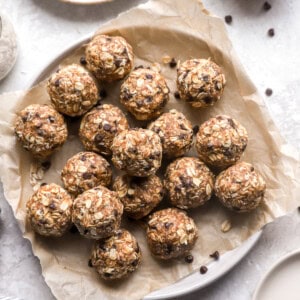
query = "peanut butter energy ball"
x=99 y=127
x=240 y=187
x=144 y=94
x=175 y=132
x=137 y=152
x=72 y=90
x=139 y=195
x=221 y=141
x=171 y=233
x=109 y=58
x=117 y=256
x=85 y=170
x=49 y=210
x=40 y=129
x=189 y=182
x=200 y=82
x=97 y=213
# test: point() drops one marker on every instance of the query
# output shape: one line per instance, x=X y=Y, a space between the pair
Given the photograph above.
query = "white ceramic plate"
x=282 y=281
x=195 y=280
x=86 y=1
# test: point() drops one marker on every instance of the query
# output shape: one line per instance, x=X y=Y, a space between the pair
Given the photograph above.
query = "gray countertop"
x=46 y=27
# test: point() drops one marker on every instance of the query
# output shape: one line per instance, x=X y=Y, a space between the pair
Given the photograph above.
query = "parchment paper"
x=180 y=29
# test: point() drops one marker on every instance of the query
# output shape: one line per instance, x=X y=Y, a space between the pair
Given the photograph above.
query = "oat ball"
x=117 y=256
x=175 y=132
x=72 y=90
x=200 y=82
x=137 y=151
x=97 y=213
x=240 y=187
x=40 y=129
x=221 y=141
x=49 y=210
x=99 y=127
x=139 y=195
x=109 y=58
x=171 y=233
x=188 y=182
x=84 y=171
x=144 y=94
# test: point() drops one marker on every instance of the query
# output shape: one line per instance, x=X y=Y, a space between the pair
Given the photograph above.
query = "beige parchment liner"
x=180 y=29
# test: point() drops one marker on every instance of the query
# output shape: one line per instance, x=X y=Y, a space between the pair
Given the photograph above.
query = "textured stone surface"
x=45 y=28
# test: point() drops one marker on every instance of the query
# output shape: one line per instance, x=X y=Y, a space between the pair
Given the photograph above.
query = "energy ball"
x=189 y=182
x=138 y=152
x=171 y=233
x=84 y=171
x=144 y=94
x=221 y=141
x=40 y=129
x=175 y=132
x=139 y=195
x=97 y=213
x=109 y=58
x=49 y=210
x=117 y=256
x=72 y=90
x=99 y=127
x=200 y=82
x=240 y=187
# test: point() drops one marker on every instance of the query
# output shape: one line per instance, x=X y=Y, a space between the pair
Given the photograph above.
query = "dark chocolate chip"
x=231 y=123
x=135 y=263
x=40 y=132
x=177 y=95
x=267 y=6
x=51 y=119
x=127 y=95
x=107 y=127
x=43 y=184
x=149 y=76
x=98 y=139
x=195 y=129
x=168 y=225
x=173 y=63
x=90 y=263
x=83 y=157
x=252 y=169
x=208 y=100
x=103 y=93
x=24 y=118
x=118 y=62
x=271 y=32
x=228 y=19
x=203 y=269
x=107 y=275
x=215 y=255
x=108 y=39
x=139 y=103
x=87 y=175
x=228 y=152
x=205 y=78
x=52 y=205
x=73 y=229
x=148 y=99
x=182 y=136
x=83 y=60
x=139 y=67
x=269 y=92
x=147 y=168
x=56 y=83
x=189 y=259
x=85 y=231
x=46 y=165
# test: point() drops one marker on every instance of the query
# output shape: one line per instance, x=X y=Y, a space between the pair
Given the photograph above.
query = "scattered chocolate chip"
x=87 y=175
x=90 y=263
x=139 y=67
x=56 y=83
x=102 y=93
x=43 y=184
x=168 y=225
x=228 y=152
x=46 y=165
x=107 y=275
x=177 y=95
x=269 y=92
x=52 y=205
x=148 y=99
x=73 y=229
x=173 y=63
x=83 y=60
x=189 y=259
x=118 y=62
x=83 y=157
x=195 y=129
x=107 y=127
x=169 y=248
x=24 y=118
x=208 y=100
x=271 y=32
x=228 y=19
x=215 y=255
x=203 y=269
x=252 y=169
x=98 y=139
x=267 y=6
x=51 y=119
x=205 y=78
x=149 y=76
x=127 y=95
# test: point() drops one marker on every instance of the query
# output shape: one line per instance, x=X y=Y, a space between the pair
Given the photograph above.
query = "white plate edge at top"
x=86 y=2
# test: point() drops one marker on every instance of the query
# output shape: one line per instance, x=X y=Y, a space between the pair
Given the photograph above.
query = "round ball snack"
x=49 y=210
x=189 y=182
x=40 y=129
x=139 y=195
x=72 y=90
x=109 y=58
x=175 y=132
x=171 y=233
x=221 y=141
x=240 y=187
x=99 y=127
x=117 y=256
x=84 y=171
x=138 y=152
x=97 y=213
x=200 y=82
x=144 y=94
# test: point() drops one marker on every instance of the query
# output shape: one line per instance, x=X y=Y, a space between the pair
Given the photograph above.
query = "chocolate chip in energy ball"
x=46 y=165
x=203 y=269
x=195 y=129
x=271 y=32
x=228 y=19
x=177 y=95
x=173 y=63
x=83 y=60
x=267 y=6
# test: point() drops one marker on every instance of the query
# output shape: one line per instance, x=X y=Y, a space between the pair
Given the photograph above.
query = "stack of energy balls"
x=95 y=203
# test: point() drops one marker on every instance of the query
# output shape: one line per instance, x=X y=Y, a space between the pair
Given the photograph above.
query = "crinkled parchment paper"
x=180 y=29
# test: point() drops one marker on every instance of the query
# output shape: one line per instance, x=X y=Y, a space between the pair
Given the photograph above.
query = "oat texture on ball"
x=97 y=213
x=109 y=58
x=49 y=210
x=175 y=132
x=139 y=195
x=171 y=233
x=116 y=257
x=240 y=187
x=85 y=170
x=72 y=90
x=99 y=127
x=137 y=151
x=221 y=141
x=200 y=82
x=144 y=93
x=40 y=129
